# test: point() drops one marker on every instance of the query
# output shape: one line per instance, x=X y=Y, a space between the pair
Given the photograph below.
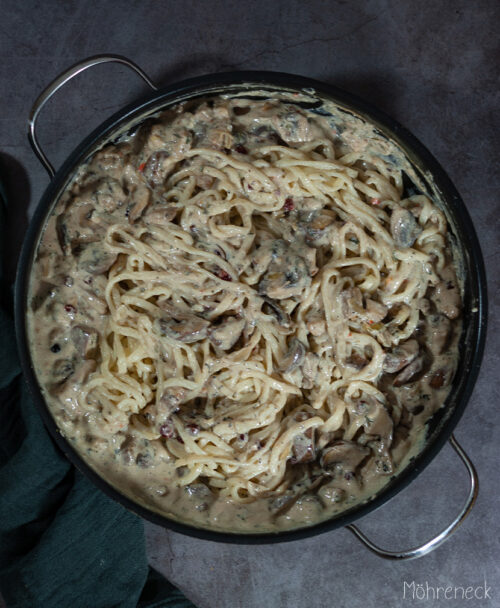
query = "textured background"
x=431 y=65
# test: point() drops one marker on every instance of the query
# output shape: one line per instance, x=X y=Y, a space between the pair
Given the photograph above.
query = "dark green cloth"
x=63 y=543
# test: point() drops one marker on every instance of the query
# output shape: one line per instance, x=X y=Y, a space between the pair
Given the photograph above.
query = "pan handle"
x=61 y=80
x=440 y=538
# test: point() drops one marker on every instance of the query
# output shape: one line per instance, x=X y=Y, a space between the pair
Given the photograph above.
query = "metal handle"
x=440 y=538
x=61 y=80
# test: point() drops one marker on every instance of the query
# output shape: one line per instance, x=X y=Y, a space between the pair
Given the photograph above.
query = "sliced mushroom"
x=316 y=324
x=294 y=356
x=305 y=509
x=404 y=227
x=95 y=259
x=183 y=327
x=346 y=454
x=352 y=302
x=62 y=370
x=287 y=280
x=64 y=388
x=161 y=214
x=377 y=420
x=269 y=250
x=109 y=195
x=158 y=167
x=42 y=291
x=441 y=377
x=375 y=311
x=86 y=340
x=62 y=233
x=447 y=295
x=170 y=400
x=293 y=127
x=220 y=138
x=356 y=361
x=318 y=227
x=200 y=495
x=400 y=356
x=410 y=372
x=159 y=414
x=225 y=335
x=303 y=448
x=140 y=200
x=330 y=494
x=437 y=332
x=275 y=309
x=310 y=370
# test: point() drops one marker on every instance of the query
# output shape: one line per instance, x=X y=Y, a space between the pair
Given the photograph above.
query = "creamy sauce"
x=68 y=314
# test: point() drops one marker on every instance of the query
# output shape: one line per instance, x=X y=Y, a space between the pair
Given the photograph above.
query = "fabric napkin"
x=63 y=543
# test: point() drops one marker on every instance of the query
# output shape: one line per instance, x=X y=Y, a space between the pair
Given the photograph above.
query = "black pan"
x=430 y=174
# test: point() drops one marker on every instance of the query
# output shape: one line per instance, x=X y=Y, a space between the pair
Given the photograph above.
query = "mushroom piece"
x=140 y=200
x=293 y=127
x=183 y=327
x=400 y=356
x=42 y=291
x=441 y=377
x=447 y=295
x=437 y=332
x=404 y=227
x=303 y=448
x=356 y=361
x=62 y=370
x=158 y=167
x=281 y=316
x=201 y=496
x=225 y=335
x=310 y=370
x=352 y=302
x=294 y=356
x=376 y=418
x=167 y=404
x=86 y=340
x=375 y=311
x=305 y=509
x=286 y=280
x=330 y=494
x=346 y=454
x=316 y=324
x=410 y=372
x=95 y=259
x=161 y=214
x=318 y=227
x=128 y=449
x=220 y=138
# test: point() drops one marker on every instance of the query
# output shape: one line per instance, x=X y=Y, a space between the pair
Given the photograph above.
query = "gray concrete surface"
x=431 y=65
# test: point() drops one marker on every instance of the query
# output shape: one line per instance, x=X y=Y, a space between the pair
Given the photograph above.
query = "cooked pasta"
x=249 y=306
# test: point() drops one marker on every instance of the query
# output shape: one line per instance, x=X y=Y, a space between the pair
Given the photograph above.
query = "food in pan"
x=240 y=316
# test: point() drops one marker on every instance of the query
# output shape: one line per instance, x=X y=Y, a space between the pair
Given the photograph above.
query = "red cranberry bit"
x=288 y=206
x=241 y=149
x=180 y=439
x=192 y=428
x=375 y=201
x=141 y=167
x=167 y=430
x=70 y=309
x=225 y=276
